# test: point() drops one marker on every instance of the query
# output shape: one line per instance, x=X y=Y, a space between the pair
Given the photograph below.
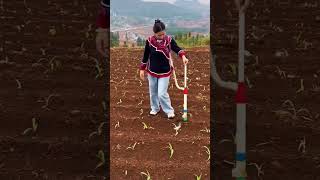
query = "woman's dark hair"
x=158 y=26
x=105 y=3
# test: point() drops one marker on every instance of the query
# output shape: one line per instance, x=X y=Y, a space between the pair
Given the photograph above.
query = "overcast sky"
x=172 y=1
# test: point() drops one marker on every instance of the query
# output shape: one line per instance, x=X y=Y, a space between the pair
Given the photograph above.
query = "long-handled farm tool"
x=184 y=89
x=239 y=172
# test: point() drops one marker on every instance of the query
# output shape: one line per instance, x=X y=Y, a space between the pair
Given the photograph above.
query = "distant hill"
x=138 y=8
x=194 y=5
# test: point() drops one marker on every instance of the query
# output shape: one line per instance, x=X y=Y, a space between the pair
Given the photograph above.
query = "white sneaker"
x=153 y=113
x=171 y=115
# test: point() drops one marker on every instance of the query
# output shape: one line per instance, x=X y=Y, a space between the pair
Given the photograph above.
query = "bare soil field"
x=283 y=78
x=139 y=142
x=51 y=96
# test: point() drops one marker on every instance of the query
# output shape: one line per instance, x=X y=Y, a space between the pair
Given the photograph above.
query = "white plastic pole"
x=241 y=45
x=240 y=170
x=185 y=90
x=185 y=96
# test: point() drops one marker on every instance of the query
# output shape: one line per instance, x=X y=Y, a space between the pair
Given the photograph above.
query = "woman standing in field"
x=156 y=62
x=103 y=24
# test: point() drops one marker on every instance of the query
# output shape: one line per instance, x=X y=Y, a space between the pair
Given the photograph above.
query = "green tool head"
x=185 y=117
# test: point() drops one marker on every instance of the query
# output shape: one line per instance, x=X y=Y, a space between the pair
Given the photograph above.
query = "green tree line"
x=187 y=40
x=114 y=39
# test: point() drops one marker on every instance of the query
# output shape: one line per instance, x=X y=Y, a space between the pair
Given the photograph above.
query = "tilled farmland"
x=143 y=145
x=282 y=76
x=52 y=93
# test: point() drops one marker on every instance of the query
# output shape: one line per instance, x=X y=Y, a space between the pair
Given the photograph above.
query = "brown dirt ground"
x=272 y=139
x=150 y=153
x=66 y=71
